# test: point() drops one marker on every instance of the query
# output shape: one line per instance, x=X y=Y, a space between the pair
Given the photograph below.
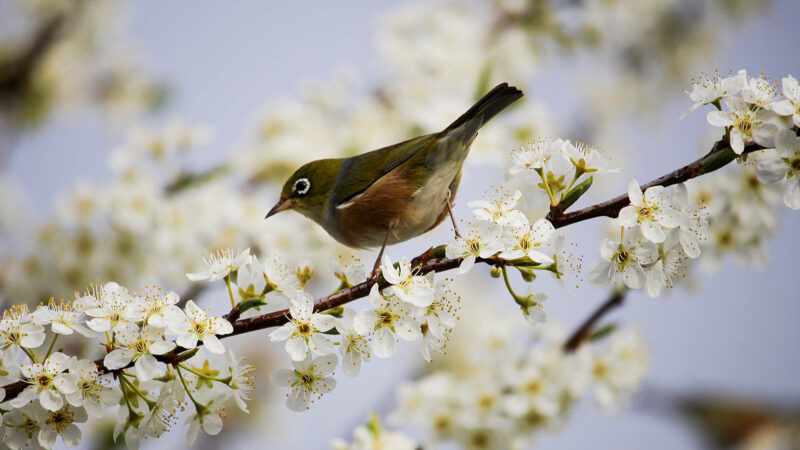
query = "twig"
x=579 y=336
x=432 y=260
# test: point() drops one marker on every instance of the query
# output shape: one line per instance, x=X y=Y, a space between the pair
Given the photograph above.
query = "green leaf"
x=249 y=304
x=603 y=332
x=575 y=193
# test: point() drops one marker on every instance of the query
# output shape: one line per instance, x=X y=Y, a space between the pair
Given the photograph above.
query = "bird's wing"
x=360 y=172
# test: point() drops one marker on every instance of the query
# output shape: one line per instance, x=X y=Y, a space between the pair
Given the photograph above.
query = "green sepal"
x=337 y=312
x=575 y=193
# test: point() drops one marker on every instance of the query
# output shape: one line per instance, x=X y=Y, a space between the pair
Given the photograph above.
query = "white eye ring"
x=301 y=186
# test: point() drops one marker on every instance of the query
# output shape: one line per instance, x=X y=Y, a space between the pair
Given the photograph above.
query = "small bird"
x=395 y=193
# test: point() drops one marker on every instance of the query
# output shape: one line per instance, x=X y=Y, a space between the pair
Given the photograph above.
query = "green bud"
x=496 y=272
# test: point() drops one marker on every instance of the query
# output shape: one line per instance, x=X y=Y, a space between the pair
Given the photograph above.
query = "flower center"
x=200 y=328
x=600 y=370
x=474 y=246
x=533 y=387
x=141 y=346
x=386 y=318
x=646 y=214
x=60 y=420
x=744 y=123
x=304 y=329
x=43 y=380
x=621 y=258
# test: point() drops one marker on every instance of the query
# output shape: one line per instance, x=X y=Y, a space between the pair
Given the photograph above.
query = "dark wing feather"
x=360 y=172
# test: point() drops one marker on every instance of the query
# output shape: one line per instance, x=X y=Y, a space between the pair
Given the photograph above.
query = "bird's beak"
x=282 y=205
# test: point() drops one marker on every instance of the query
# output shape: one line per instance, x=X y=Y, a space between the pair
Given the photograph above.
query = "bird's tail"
x=487 y=107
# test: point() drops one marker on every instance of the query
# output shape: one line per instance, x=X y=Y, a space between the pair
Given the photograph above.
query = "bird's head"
x=308 y=190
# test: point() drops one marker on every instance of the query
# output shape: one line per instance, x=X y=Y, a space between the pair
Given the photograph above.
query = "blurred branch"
x=433 y=260
x=585 y=330
x=15 y=75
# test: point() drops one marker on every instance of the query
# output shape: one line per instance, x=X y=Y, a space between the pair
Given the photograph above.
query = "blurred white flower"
x=618 y=372
x=221 y=264
x=783 y=165
x=790 y=105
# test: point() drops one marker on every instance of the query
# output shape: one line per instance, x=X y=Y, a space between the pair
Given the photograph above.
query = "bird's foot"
x=450 y=213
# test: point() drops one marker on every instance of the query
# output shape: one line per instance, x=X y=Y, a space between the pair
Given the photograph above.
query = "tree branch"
x=433 y=260
x=584 y=331
x=720 y=155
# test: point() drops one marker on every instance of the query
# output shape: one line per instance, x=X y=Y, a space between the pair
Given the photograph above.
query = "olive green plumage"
x=401 y=189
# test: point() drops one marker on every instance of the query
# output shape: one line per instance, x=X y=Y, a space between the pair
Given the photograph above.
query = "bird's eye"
x=301 y=186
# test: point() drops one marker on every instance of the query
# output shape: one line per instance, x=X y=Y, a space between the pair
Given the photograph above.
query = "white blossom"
x=387 y=320
x=528 y=240
x=305 y=332
x=310 y=380
x=63 y=319
x=651 y=211
x=62 y=423
x=140 y=346
x=48 y=383
x=196 y=325
x=405 y=285
x=481 y=240
x=748 y=123
x=112 y=308
x=623 y=260
x=354 y=346
x=18 y=328
x=499 y=208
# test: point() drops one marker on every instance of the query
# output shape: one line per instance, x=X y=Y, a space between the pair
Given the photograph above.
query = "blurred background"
x=260 y=87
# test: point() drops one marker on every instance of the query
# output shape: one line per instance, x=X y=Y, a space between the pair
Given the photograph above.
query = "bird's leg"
x=450 y=213
x=376 y=268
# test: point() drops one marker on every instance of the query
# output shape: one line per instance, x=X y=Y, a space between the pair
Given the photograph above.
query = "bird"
x=395 y=193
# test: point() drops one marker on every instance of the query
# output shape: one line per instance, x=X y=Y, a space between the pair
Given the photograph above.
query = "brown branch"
x=720 y=155
x=19 y=72
x=433 y=260
x=584 y=331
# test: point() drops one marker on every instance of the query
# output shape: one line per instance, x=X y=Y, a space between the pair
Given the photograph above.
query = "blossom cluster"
x=504 y=400
x=659 y=232
x=412 y=308
x=150 y=368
